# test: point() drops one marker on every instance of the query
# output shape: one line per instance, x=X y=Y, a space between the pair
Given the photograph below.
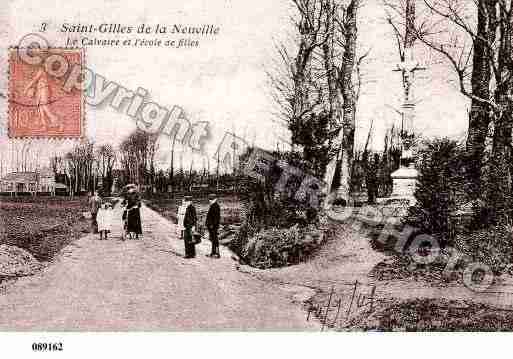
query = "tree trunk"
x=345 y=80
x=307 y=44
x=172 y=169
x=333 y=90
x=479 y=117
x=499 y=183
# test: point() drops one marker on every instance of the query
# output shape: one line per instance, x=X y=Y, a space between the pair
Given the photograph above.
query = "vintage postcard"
x=287 y=165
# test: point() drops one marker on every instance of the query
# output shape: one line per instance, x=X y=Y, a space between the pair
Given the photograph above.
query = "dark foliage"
x=314 y=135
x=435 y=315
x=492 y=246
x=268 y=206
x=440 y=164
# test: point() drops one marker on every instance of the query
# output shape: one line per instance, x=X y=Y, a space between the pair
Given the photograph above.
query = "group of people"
x=187 y=222
x=102 y=217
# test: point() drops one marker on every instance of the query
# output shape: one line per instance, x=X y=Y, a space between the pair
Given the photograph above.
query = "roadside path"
x=145 y=285
x=350 y=258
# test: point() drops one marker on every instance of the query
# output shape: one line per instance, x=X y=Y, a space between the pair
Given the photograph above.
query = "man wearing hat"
x=189 y=223
x=212 y=223
x=95 y=203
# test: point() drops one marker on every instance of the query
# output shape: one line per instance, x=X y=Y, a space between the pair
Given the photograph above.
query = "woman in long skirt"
x=134 y=220
x=133 y=214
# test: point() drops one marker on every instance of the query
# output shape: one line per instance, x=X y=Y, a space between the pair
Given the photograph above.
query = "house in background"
x=46 y=181
x=19 y=182
x=42 y=181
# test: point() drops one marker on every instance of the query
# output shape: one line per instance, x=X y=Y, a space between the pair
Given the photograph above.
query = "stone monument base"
x=404 y=182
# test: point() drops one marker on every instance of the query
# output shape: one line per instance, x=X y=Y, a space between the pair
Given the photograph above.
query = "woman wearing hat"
x=189 y=222
x=132 y=214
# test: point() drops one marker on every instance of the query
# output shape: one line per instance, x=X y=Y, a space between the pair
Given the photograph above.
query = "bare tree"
x=79 y=167
x=475 y=39
x=319 y=79
x=172 y=165
x=346 y=84
x=57 y=164
x=342 y=86
x=294 y=88
x=137 y=155
x=465 y=34
x=106 y=159
x=334 y=95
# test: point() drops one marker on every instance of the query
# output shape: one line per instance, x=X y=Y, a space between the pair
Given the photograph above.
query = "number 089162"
x=46 y=347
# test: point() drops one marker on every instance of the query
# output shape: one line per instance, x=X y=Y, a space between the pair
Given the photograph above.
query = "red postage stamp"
x=39 y=106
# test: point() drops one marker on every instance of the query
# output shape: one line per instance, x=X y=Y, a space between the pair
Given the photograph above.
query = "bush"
x=440 y=179
x=492 y=246
x=242 y=238
x=433 y=314
x=271 y=203
x=275 y=247
x=265 y=210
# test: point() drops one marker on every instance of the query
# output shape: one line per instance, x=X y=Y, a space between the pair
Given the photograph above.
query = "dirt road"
x=350 y=258
x=145 y=285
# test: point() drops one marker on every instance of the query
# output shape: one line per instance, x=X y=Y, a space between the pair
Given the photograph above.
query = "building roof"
x=20 y=177
x=44 y=172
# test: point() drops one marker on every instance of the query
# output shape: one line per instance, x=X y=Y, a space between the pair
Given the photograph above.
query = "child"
x=104 y=220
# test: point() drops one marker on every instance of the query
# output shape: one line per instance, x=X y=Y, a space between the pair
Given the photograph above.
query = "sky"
x=223 y=81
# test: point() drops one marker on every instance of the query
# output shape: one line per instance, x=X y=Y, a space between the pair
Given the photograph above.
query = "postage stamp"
x=39 y=107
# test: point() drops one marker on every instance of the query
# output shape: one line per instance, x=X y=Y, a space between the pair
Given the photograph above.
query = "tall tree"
x=479 y=115
x=106 y=159
x=343 y=87
x=79 y=166
x=316 y=87
x=296 y=84
x=475 y=39
x=346 y=84
x=137 y=155
x=334 y=94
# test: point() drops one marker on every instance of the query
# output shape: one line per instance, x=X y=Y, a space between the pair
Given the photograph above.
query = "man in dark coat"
x=212 y=223
x=95 y=203
x=189 y=223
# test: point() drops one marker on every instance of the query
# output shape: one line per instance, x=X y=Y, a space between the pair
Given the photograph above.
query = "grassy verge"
x=42 y=225
x=408 y=315
x=438 y=315
x=167 y=206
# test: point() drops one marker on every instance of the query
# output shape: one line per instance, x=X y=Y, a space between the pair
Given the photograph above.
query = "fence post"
x=372 y=298
x=352 y=299
x=309 y=311
x=338 y=311
x=327 y=308
x=360 y=301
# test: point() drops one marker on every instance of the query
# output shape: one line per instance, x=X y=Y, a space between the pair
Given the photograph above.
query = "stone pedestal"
x=404 y=181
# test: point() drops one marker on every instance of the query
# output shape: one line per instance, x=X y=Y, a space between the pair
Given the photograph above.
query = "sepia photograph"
x=285 y=166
